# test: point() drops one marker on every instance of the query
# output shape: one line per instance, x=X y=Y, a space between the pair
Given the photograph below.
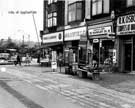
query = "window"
x=130 y=3
x=79 y=11
x=72 y=11
x=100 y=7
x=97 y=7
x=55 y=1
x=52 y=19
x=106 y=6
x=75 y=11
x=52 y=1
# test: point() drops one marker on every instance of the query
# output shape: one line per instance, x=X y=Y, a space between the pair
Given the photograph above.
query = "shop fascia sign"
x=100 y=31
x=53 y=37
x=126 y=24
x=75 y=34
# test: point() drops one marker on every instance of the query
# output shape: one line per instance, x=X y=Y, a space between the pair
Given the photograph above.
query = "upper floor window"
x=130 y=3
x=52 y=1
x=97 y=7
x=52 y=19
x=100 y=7
x=75 y=11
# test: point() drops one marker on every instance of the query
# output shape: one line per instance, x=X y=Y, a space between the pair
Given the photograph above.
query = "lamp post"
x=87 y=44
x=113 y=18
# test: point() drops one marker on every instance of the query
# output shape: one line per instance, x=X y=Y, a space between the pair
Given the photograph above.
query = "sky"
x=16 y=20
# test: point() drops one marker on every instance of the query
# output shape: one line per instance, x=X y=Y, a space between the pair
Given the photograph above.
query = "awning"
x=51 y=44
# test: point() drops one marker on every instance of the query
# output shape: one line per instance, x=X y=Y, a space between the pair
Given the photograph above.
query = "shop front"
x=53 y=42
x=101 y=42
x=76 y=45
x=126 y=36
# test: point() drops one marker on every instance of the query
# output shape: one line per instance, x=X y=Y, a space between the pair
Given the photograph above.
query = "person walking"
x=28 y=59
x=18 y=60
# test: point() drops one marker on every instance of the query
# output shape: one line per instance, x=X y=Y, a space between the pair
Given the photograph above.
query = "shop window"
x=100 y=7
x=82 y=55
x=52 y=19
x=105 y=51
x=75 y=11
x=130 y=3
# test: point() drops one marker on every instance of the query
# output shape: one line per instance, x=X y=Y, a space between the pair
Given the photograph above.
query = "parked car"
x=4 y=61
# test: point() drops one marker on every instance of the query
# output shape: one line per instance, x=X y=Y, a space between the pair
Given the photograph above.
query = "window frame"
x=96 y=4
x=132 y=3
x=51 y=18
x=74 y=11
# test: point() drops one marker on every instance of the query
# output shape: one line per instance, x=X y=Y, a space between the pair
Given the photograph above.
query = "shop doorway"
x=128 y=56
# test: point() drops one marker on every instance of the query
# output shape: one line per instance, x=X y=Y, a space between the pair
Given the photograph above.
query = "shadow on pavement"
x=115 y=78
x=27 y=102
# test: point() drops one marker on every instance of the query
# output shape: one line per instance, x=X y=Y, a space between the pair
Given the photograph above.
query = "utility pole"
x=23 y=40
x=35 y=28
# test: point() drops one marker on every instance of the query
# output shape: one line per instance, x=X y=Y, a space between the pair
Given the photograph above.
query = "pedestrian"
x=27 y=60
x=38 y=59
x=18 y=60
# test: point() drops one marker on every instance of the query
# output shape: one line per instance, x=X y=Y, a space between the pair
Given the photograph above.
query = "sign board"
x=53 y=37
x=114 y=56
x=54 y=60
x=75 y=34
x=126 y=24
x=95 y=40
x=54 y=65
x=100 y=31
x=54 y=56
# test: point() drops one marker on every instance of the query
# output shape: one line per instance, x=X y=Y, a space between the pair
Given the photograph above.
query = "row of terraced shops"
x=96 y=40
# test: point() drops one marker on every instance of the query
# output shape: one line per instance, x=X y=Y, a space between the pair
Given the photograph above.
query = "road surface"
x=39 y=87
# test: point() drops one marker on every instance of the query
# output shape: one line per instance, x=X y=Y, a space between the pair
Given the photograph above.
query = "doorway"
x=128 y=56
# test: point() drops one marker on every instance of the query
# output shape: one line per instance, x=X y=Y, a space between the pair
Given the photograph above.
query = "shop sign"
x=53 y=37
x=100 y=31
x=76 y=34
x=126 y=24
